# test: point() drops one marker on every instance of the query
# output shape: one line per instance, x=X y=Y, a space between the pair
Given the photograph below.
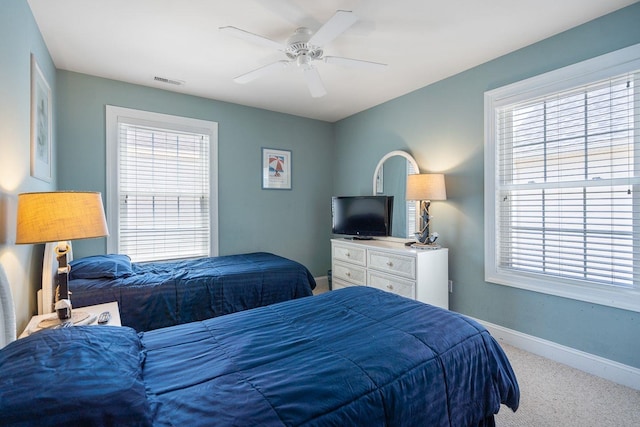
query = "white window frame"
x=115 y=114
x=606 y=66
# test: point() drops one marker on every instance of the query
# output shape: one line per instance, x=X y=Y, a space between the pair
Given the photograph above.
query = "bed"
x=355 y=356
x=159 y=294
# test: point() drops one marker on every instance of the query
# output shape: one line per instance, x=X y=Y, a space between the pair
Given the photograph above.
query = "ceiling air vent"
x=168 y=81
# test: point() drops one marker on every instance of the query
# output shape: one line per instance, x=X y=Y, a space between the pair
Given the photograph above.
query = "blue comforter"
x=356 y=356
x=160 y=294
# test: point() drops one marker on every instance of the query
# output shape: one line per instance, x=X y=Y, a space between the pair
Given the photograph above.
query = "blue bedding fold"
x=356 y=356
x=163 y=294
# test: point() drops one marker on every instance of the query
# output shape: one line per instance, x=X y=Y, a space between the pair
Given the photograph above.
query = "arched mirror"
x=390 y=179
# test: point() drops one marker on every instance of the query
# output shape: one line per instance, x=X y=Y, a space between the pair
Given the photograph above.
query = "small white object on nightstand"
x=93 y=310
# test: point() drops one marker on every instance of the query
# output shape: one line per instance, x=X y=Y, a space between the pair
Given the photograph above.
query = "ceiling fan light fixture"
x=302 y=48
x=298 y=44
x=301 y=35
x=303 y=60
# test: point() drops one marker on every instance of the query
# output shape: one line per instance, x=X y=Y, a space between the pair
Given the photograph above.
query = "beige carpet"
x=553 y=394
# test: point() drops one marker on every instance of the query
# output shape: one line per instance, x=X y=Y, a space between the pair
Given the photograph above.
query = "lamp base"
x=76 y=317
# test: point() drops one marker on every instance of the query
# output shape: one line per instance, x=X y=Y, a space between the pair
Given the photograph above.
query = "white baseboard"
x=592 y=364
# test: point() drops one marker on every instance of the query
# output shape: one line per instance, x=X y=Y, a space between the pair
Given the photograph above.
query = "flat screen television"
x=362 y=217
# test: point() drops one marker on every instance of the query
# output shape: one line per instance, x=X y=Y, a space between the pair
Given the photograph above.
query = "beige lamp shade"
x=57 y=216
x=426 y=186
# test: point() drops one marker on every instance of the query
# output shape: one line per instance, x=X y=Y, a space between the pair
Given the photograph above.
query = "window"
x=161 y=186
x=413 y=213
x=562 y=175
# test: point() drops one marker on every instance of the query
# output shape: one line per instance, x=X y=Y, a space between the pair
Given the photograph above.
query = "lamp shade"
x=426 y=186
x=57 y=216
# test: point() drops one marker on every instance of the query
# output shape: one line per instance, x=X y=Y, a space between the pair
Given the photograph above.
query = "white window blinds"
x=568 y=175
x=163 y=187
x=562 y=182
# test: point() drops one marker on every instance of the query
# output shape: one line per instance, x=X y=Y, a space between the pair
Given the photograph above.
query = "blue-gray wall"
x=442 y=126
x=294 y=223
x=19 y=39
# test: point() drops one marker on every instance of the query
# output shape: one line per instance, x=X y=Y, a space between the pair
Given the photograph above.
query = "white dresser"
x=391 y=266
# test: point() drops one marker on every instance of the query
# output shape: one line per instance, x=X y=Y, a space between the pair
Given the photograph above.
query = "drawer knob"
x=348 y=254
x=348 y=274
x=389 y=264
x=390 y=287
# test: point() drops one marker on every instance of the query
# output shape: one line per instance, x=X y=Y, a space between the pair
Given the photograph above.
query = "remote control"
x=104 y=317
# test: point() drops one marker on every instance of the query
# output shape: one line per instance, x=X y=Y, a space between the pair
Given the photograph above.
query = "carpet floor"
x=553 y=394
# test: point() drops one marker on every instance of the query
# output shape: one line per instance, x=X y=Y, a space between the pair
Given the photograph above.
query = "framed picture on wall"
x=276 y=169
x=40 y=124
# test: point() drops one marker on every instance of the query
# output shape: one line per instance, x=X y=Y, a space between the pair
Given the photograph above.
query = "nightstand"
x=92 y=310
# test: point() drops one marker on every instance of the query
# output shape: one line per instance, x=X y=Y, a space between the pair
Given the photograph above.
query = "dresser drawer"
x=340 y=284
x=348 y=272
x=392 y=284
x=349 y=254
x=404 y=266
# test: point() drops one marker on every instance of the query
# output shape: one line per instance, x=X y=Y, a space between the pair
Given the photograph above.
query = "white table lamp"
x=58 y=217
x=425 y=187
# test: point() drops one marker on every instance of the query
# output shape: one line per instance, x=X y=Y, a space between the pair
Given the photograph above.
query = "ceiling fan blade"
x=314 y=82
x=335 y=26
x=260 y=72
x=254 y=38
x=354 y=63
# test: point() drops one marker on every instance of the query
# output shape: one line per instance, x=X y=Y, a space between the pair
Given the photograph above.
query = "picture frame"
x=276 y=169
x=41 y=123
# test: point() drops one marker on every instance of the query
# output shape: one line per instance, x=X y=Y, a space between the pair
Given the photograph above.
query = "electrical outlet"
x=450 y=286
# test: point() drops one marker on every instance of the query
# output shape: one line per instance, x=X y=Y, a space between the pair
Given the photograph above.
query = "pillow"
x=85 y=375
x=112 y=266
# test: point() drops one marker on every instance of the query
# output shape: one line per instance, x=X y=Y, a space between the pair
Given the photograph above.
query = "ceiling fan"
x=302 y=49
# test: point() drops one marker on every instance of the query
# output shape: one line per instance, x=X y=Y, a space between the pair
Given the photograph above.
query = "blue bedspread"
x=351 y=357
x=356 y=356
x=163 y=294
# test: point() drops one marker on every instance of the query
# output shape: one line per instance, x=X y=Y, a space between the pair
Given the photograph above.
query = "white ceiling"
x=422 y=41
